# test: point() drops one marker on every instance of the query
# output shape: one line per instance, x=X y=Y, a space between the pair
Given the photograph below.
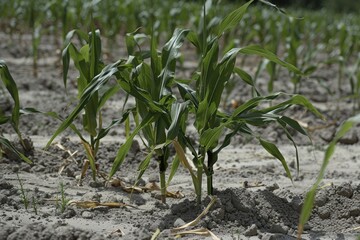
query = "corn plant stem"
x=162 y=170
x=199 y=184
x=212 y=158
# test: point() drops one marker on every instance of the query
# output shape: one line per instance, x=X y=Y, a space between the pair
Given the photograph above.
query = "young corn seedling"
x=210 y=123
x=91 y=92
x=150 y=84
x=63 y=200
x=24 y=197
x=310 y=196
x=14 y=119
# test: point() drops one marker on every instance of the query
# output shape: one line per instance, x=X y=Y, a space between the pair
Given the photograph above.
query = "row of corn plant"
x=340 y=37
x=149 y=77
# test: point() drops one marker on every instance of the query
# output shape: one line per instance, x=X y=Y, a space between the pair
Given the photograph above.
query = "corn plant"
x=150 y=84
x=210 y=123
x=91 y=98
x=14 y=119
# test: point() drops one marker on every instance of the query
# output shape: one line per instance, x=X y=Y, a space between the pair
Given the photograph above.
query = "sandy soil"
x=254 y=199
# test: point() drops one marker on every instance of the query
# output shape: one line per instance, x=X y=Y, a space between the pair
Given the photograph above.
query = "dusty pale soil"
x=254 y=199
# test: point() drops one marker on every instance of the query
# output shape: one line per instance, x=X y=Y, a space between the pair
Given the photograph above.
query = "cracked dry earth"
x=254 y=199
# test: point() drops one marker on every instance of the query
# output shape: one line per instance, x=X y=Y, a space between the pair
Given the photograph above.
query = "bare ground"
x=254 y=198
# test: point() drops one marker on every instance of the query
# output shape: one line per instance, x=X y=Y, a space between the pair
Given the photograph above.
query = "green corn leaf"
x=232 y=19
x=177 y=111
x=294 y=124
x=208 y=69
x=310 y=196
x=193 y=38
x=71 y=50
x=188 y=94
x=257 y=50
x=227 y=140
x=124 y=149
x=170 y=53
x=131 y=40
x=244 y=76
x=9 y=145
x=53 y=115
x=154 y=78
x=104 y=131
x=99 y=81
x=210 y=137
x=145 y=164
x=296 y=100
x=111 y=91
x=273 y=150
x=252 y=103
x=174 y=167
x=4 y=119
x=160 y=133
x=283 y=121
x=11 y=86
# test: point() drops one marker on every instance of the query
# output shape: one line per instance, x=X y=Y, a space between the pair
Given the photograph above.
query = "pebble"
x=320 y=199
x=179 y=222
x=68 y=213
x=5 y=185
x=345 y=190
x=251 y=231
x=324 y=213
x=87 y=215
x=278 y=228
x=355 y=211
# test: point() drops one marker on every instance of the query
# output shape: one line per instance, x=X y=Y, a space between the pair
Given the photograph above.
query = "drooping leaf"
x=12 y=148
x=11 y=86
x=259 y=51
x=273 y=150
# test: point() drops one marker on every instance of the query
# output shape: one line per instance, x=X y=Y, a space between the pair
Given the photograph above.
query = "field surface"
x=254 y=198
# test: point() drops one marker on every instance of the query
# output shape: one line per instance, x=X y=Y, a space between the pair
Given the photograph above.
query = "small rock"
x=5 y=185
x=218 y=214
x=179 y=222
x=320 y=199
x=138 y=200
x=87 y=215
x=155 y=225
x=355 y=211
x=3 y=199
x=15 y=169
x=345 y=190
x=277 y=228
x=68 y=213
x=251 y=231
x=296 y=203
x=161 y=205
x=324 y=213
x=272 y=187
